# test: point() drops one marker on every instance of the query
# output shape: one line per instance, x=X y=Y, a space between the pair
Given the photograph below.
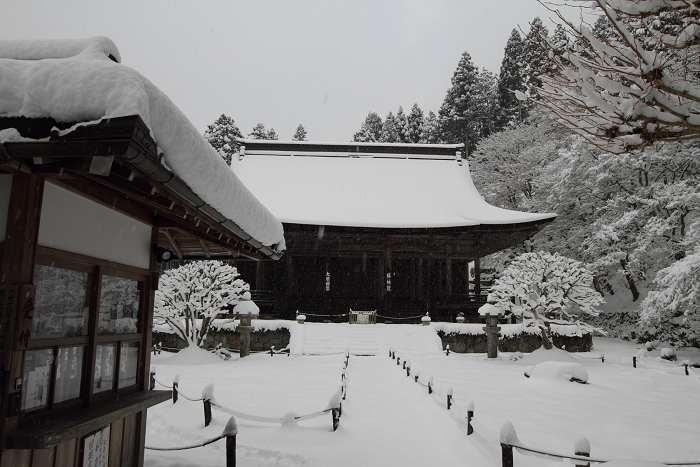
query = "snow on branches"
x=636 y=84
x=546 y=287
x=194 y=292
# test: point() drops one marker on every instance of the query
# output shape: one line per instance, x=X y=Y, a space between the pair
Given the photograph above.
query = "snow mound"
x=560 y=371
x=552 y=355
x=192 y=355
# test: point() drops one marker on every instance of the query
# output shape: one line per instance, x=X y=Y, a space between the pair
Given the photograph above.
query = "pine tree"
x=222 y=136
x=414 y=125
x=535 y=58
x=390 y=131
x=429 y=129
x=258 y=132
x=272 y=134
x=456 y=115
x=401 y=124
x=510 y=79
x=370 y=129
x=300 y=134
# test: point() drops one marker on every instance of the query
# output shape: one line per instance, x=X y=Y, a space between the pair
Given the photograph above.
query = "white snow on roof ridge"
x=350 y=143
x=372 y=192
x=88 y=87
x=97 y=47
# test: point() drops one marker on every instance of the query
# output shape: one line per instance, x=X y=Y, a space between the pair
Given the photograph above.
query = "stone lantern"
x=245 y=309
x=460 y=317
x=491 y=314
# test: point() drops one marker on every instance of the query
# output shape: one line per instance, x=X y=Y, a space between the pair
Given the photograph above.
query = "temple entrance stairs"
x=363 y=339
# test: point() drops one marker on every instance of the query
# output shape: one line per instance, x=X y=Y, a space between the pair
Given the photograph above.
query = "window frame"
x=96 y=269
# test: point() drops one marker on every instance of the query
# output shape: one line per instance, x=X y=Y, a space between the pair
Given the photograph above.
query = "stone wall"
x=262 y=340
x=259 y=340
x=476 y=343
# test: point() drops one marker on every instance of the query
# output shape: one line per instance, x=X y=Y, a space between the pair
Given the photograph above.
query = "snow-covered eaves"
x=379 y=185
x=82 y=81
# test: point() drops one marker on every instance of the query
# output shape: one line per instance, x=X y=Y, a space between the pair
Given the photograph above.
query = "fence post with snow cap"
x=430 y=385
x=152 y=380
x=176 y=383
x=582 y=448
x=207 y=396
x=408 y=369
x=230 y=432
x=634 y=362
x=449 y=398
x=416 y=374
x=508 y=439
x=470 y=415
x=447 y=350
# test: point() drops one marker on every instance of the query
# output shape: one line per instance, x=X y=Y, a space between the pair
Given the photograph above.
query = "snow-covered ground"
x=649 y=413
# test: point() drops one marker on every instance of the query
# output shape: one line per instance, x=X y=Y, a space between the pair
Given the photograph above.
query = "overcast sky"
x=321 y=63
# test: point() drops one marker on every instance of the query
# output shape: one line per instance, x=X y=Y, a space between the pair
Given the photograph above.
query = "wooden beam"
x=204 y=248
x=178 y=252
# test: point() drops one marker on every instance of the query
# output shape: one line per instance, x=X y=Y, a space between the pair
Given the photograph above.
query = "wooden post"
x=231 y=451
x=174 y=392
x=430 y=385
x=408 y=369
x=152 y=385
x=345 y=389
x=686 y=370
x=207 y=412
x=470 y=415
x=634 y=362
x=336 y=418
x=398 y=360
x=230 y=432
x=447 y=350
x=415 y=375
x=506 y=455
x=449 y=398
x=582 y=448
x=272 y=350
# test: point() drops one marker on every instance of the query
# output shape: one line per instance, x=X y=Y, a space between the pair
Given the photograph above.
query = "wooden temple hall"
x=395 y=228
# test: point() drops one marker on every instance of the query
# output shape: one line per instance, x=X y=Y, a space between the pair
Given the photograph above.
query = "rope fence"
x=230 y=432
x=334 y=405
x=581 y=457
x=507 y=437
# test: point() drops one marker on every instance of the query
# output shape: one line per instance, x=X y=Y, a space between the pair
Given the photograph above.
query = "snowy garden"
x=389 y=418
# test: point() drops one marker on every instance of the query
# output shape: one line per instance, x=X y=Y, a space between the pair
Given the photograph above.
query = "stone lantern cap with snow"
x=490 y=311
x=246 y=309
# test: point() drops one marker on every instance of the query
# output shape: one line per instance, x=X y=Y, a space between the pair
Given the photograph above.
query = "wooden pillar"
x=17 y=271
x=477 y=275
x=260 y=276
x=327 y=297
x=419 y=279
x=289 y=286
x=387 y=280
x=448 y=276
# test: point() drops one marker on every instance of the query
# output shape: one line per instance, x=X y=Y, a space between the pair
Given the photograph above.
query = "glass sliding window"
x=104 y=368
x=69 y=371
x=119 y=306
x=61 y=303
x=37 y=379
x=128 y=364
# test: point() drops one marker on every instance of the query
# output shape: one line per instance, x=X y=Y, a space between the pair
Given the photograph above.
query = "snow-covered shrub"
x=667 y=353
x=546 y=287
x=672 y=311
x=189 y=297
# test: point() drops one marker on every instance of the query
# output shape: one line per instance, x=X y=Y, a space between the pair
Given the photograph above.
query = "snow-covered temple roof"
x=368 y=185
x=82 y=82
